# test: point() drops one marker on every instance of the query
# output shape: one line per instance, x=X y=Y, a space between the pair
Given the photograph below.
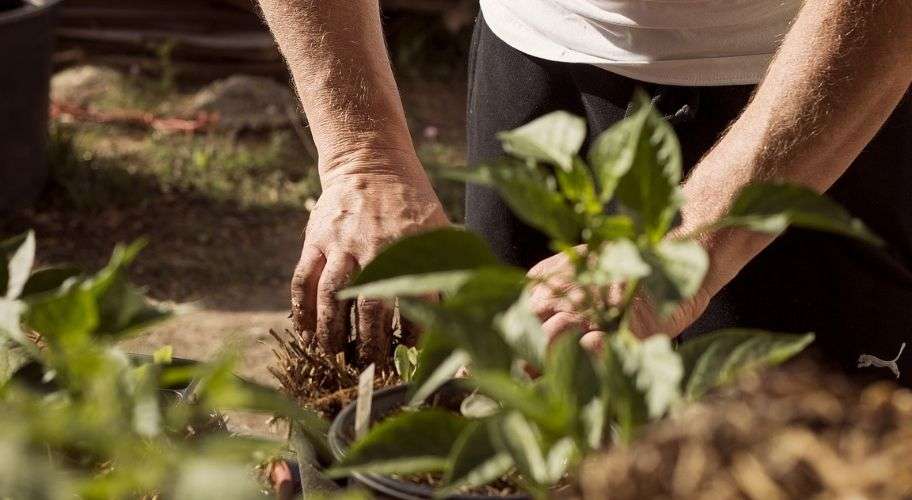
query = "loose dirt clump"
x=316 y=380
x=796 y=432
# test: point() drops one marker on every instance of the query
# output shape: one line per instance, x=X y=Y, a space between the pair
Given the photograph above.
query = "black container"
x=386 y=402
x=31 y=375
x=26 y=48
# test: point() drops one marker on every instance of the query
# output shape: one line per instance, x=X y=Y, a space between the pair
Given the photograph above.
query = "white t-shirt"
x=673 y=42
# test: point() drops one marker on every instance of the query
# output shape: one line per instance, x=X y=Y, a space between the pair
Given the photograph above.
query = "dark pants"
x=856 y=297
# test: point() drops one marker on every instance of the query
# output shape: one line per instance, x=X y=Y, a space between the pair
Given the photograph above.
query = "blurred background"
x=174 y=120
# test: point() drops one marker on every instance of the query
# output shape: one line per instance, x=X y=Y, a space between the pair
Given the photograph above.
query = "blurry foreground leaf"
x=771 y=208
x=405 y=443
x=718 y=357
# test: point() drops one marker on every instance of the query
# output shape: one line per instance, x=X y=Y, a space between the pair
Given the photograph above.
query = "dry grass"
x=315 y=380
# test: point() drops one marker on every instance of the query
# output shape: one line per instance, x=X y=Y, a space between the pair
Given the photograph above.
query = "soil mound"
x=246 y=102
x=83 y=85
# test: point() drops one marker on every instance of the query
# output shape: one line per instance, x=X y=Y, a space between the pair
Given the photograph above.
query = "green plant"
x=79 y=417
x=542 y=426
x=405 y=360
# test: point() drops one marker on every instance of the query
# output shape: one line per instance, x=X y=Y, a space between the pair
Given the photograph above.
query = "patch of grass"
x=254 y=172
x=101 y=166
x=98 y=166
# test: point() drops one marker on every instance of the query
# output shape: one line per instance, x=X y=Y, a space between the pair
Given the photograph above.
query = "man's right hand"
x=370 y=198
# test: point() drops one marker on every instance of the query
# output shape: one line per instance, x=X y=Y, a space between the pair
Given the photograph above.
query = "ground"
x=223 y=212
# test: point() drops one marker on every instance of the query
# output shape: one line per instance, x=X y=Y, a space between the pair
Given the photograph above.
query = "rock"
x=246 y=102
x=83 y=85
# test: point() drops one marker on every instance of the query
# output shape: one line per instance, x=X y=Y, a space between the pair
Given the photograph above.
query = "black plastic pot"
x=26 y=47
x=385 y=402
x=31 y=375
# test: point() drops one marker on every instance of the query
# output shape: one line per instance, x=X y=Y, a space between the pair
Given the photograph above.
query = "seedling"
x=541 y=427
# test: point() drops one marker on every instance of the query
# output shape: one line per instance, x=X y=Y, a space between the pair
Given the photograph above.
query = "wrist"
x=375 y=161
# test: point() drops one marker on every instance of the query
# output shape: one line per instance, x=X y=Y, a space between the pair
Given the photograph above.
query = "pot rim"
x=27 y=11
x=384 y=484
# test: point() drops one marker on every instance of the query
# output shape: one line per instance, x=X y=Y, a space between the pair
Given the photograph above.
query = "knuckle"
x=371 y=307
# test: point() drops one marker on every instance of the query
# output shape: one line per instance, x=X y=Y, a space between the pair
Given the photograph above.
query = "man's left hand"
x=560 y=305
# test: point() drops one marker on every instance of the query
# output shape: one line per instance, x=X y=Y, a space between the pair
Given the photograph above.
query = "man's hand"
x=363 y=207
x=560 y=305
x=374 y=189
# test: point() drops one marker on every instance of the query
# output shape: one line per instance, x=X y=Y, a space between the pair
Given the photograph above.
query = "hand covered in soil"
x=560 y=305
x=367 y=202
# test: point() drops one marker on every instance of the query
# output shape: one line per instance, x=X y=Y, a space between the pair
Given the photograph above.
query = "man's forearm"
x=337 y=56
x=840 y=72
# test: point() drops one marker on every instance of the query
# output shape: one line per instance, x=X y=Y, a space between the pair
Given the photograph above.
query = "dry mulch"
x=797 y=432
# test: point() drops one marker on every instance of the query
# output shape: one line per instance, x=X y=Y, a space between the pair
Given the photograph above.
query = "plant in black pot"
x=526 y=413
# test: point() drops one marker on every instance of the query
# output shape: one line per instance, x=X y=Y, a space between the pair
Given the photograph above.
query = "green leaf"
x=519 y=438
x=19 y=266
x=577 y=186
x=528 y=193
x=11 y=312
x=313 y=481
x=146 y=409
x=570 y=379
x=123 y=309
x=488 y=292
x=625 y=403
x=12 y=357
x=513 y=395
x=162 y=355
x=658 y=370
x=477 y=405
x=466 y=319
x=469 y=330
x=562 y=453
x=8 y=247
x=401 y=363
x=523 y=331
x=650 y=186
x=475 y=460
x=613 y=153
x=405 y=443
x=219 y=389
x=438 y=362
x=617 y=262
x=679 y=267
x=440 y=250
x=772 y=207
x=47 y=279
x=593 y=419
x=607 y=228
x=68 y=316
x=412 y=285
x=553 y=138
x=719 y=357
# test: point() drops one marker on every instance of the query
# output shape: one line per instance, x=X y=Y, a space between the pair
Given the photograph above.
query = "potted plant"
x=536 y=429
